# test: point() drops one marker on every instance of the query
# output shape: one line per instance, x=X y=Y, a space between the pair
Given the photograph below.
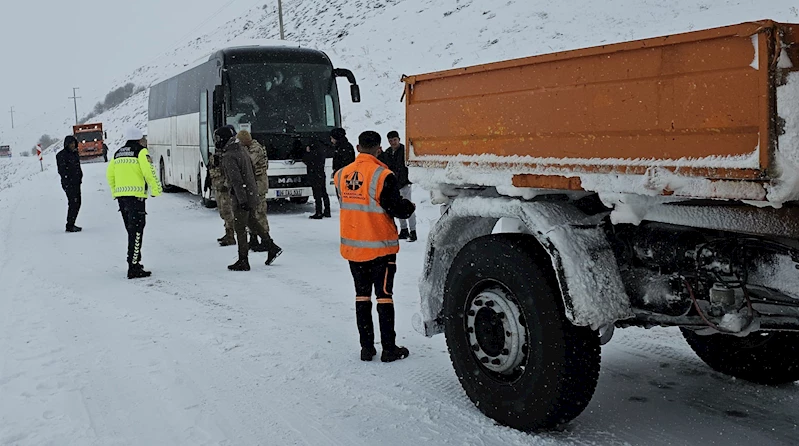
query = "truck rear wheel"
x=761 y=357
x=517 y=356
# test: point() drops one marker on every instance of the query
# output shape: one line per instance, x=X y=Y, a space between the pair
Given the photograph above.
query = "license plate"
x=288 y=193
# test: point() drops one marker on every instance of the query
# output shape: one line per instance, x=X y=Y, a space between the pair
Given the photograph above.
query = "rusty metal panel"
x=706 y=95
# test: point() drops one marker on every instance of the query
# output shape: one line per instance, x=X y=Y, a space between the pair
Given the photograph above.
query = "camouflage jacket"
x=260 y=163
x=218 y=179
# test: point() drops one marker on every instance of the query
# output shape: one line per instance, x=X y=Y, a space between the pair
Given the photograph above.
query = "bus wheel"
x=299 y=200
x=164 y=185
x=205 y=201
x=517 y=356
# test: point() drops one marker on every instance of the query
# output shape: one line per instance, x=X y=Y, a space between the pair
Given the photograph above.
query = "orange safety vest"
x=367 y=231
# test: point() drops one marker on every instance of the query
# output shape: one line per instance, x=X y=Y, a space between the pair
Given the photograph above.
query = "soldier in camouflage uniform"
x=217 y=181
x=260 y=162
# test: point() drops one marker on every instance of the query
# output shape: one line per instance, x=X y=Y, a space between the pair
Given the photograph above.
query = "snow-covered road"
x=198 y=355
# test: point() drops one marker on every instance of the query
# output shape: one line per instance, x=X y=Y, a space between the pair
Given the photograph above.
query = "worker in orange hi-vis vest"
x=370 y=200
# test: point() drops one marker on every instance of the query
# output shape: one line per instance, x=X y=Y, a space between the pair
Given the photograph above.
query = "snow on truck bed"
x=688 y=115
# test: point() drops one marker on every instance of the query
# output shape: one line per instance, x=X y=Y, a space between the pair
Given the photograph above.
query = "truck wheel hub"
x=496 y=331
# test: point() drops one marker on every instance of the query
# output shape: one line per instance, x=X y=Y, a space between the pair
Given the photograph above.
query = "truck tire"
x=762 y=357
x=517 y=356
x=299 y=200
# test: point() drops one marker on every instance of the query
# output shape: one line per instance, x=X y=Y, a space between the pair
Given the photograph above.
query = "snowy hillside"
x=382 y=39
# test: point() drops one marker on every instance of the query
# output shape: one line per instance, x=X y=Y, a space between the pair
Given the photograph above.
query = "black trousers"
x=378 y=274
x=247 y=219
x=320 y=195
x=133 y=214
x=73 y=203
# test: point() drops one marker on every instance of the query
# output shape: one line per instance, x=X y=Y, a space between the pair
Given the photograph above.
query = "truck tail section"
x=646 y=183
x=707 y=114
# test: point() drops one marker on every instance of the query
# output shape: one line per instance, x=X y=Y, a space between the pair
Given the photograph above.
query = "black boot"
x=228 y=240
x=403 y=234
x=273 y=252
x=240 y=265
x=393 y=354
x=388 y=338
x=412 y=236
x=316 y=217
x=137 y=271
x=367 y=353
x=326 y=214
x=366 y=329
x=73 y=228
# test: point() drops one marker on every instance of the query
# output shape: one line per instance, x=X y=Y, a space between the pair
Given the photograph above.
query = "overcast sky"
x=50 y=46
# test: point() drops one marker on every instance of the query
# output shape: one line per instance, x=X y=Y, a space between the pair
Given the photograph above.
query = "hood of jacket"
x=70 y=139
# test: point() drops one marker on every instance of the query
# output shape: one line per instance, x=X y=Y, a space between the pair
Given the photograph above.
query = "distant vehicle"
x=91 y=143
x=286 y=97
x=5 y=151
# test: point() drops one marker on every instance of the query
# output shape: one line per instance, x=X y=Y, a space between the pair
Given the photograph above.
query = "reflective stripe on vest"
x=123 y=189
x=373 y=205
x=365 y=244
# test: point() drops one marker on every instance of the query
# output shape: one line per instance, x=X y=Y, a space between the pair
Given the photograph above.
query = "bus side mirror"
x=355 y=91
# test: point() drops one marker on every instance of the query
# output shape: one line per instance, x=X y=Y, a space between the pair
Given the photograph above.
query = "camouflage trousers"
x=260 y=210
x=225 y=206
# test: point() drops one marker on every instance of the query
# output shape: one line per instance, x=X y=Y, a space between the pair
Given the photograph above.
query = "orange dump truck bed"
x=706 y=114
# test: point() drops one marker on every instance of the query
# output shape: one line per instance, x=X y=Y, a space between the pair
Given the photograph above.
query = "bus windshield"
x=274 y=96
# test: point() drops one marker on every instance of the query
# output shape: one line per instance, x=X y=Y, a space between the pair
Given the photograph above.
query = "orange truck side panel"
x=694 y=95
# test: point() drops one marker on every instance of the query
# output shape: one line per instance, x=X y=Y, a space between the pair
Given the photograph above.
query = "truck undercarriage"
x=506 y=276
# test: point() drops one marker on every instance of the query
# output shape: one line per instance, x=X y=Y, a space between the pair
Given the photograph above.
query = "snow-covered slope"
x=382 y=39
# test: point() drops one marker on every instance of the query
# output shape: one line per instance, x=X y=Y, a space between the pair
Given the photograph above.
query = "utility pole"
x=75 y=98
x=12 y=117
x=280 y=17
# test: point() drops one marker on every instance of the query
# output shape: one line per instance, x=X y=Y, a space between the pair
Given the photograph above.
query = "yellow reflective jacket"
x=130 y=173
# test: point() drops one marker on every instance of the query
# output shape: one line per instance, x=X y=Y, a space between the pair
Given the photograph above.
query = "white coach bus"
x=286 y=97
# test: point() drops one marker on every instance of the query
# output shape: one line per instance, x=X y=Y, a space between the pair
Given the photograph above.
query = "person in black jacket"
x=314 y=159
x=68 y=162
x=344 y=153
x=394 y=158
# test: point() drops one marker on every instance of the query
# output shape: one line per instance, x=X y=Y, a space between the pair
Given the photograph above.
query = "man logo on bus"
x=354 y=182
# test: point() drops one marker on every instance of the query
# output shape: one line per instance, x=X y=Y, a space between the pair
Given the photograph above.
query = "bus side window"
x=329 y=112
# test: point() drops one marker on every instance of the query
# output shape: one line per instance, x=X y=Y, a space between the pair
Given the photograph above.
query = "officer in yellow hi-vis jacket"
x=131 y=176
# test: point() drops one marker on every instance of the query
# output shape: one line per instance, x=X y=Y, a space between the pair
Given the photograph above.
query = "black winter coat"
x=343 y=155
x=68 y=163
x=315 y=161
x=396 y=162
